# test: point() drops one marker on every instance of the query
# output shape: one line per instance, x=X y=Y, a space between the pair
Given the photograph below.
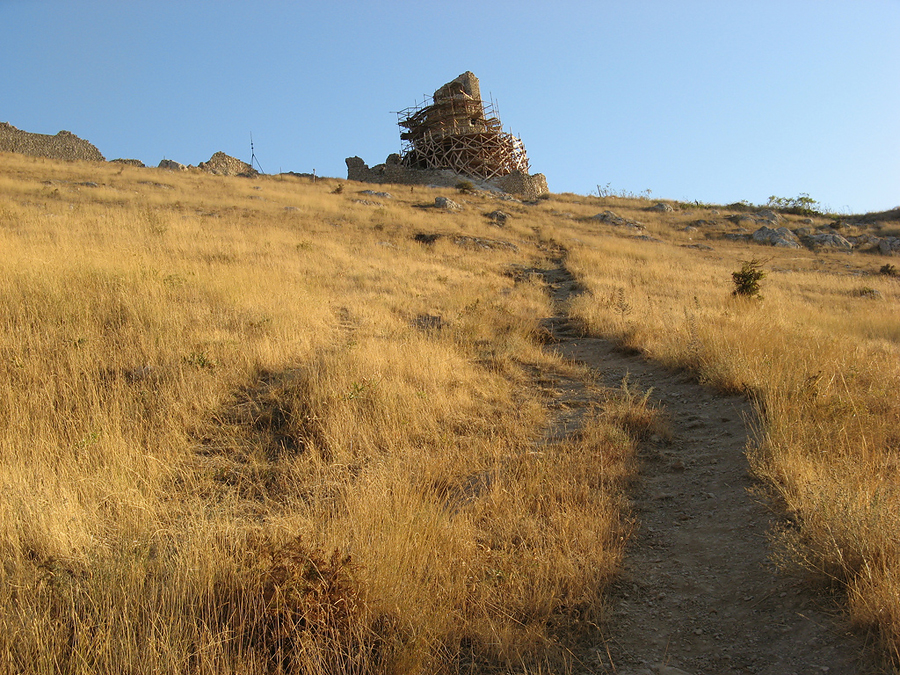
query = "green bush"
x=802 y=205
x=465 y=186
x=746 y=280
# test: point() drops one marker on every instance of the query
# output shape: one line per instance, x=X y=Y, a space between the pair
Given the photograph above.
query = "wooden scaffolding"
x=462 y=133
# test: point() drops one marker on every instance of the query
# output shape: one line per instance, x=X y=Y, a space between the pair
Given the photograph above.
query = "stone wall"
x=64 y=145
x=392 y=171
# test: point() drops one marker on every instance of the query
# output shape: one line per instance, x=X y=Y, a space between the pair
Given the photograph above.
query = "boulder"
x=610 y=217
x=767 y=215
x=498 y=217
x=889 y=246
x=446 y=203
x=829 y=240
x=129 y=162
x=172 y=165
x=221 y=164
x=781 y=237
x=661 y=207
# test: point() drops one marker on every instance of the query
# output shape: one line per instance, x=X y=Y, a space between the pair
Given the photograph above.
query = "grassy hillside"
x=254 y=425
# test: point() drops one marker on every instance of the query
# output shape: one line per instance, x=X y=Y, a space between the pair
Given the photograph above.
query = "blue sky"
x=717 y=101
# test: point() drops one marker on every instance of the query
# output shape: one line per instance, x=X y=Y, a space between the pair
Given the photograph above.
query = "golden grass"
x=253 y=426
x=821 y=359
x=235 y=437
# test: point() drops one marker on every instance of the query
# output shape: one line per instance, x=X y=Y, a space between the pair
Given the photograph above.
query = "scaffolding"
x=457 y=131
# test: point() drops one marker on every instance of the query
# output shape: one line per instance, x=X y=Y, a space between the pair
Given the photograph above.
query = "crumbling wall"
x=393 y=172
x=522 y=184
x=65 y=145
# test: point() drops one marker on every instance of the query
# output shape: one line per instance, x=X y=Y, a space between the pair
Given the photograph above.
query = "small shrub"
x=465 y=187
x=338 y=190
x=888 y=270
x=802 y=205
x=746 y=281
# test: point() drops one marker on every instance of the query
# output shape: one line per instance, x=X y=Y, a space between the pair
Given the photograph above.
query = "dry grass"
x=819 y=354
x=252 y=426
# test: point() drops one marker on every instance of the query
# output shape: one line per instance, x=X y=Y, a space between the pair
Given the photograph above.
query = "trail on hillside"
x=698 y=593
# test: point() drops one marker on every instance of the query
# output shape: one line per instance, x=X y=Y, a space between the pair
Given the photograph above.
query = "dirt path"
x=698 y=593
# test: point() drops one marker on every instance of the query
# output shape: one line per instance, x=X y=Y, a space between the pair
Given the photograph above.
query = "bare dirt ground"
x=699 y=593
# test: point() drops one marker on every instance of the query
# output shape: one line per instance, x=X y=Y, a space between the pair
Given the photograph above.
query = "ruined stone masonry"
x=457 y=135
x=64 y=145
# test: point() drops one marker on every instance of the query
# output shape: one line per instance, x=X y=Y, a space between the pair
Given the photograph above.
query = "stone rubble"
x=64 y=145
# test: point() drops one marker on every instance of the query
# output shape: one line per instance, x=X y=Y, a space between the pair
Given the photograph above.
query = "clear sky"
x=711 y=100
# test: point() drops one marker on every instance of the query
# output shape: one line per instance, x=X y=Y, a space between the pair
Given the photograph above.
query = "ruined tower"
x=457 y=130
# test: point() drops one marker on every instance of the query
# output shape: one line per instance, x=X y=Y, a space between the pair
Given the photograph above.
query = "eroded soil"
x=699 y=593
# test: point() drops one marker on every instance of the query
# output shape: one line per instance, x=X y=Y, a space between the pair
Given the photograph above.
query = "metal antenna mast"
x=253 y=155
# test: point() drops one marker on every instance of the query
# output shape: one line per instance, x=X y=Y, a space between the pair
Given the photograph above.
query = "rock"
x=661 y=207
x=767 y=215
x=782 y=237
x=742 y=219
x=610 y=217
x=830 y=241
x=385 y=195
x=484 y=244
x=221 y=164
x=446 y=203
x=889 y=246
x=172 y=165
x=130 y=162
x=64 y=145
x=498 y=218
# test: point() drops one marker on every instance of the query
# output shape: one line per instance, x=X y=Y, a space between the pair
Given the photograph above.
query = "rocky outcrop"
x=64 y=145
x=828 y=240
x=393 y=171
x=172 y=165
x=130 y=162
x=781 y=237
x=889 y=246
x=221 y=164
x=447 y=204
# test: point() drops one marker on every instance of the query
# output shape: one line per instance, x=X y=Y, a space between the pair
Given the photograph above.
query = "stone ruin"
x=67 y=146
x=457 y=135
x=64 y=145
